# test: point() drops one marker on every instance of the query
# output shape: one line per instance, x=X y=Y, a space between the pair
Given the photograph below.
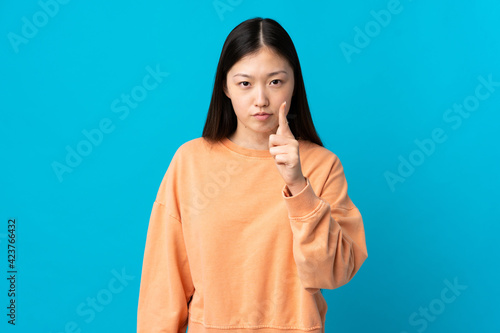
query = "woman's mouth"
x=262 y=116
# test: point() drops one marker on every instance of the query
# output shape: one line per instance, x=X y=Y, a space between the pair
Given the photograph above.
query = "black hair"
x=246 y=38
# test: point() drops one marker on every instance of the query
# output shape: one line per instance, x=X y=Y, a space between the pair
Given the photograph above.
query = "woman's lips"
x=262 y=116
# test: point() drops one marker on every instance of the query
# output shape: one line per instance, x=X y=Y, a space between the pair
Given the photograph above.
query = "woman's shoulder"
x=195 y=145
x=189 y=145
x=193 y=148
x=314 y=151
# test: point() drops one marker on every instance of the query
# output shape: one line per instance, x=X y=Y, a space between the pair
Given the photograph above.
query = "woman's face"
x=258 y=83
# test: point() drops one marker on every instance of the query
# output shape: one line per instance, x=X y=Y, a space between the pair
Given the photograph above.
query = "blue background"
x=438 y=223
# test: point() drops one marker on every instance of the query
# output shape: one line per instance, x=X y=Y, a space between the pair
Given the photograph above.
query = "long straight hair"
x=246 y=38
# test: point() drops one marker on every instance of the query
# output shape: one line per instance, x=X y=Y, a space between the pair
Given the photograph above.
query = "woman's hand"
x=285 y=150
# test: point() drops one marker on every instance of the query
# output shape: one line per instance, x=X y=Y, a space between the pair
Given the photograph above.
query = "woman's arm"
x=328 y=235
x=166 y=284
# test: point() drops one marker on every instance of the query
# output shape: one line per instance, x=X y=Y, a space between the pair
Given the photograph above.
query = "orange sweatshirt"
x=228 y=248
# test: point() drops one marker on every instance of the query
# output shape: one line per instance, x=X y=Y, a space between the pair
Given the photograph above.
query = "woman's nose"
x=261 y=97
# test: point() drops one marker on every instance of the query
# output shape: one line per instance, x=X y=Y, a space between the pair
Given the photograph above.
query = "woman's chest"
x=230 y=205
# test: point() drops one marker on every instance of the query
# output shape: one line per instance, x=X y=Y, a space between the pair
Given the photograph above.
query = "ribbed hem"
x=194 y=327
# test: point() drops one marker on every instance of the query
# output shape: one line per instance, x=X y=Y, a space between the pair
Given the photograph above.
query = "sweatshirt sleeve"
x=328 y=234
x=166 y=285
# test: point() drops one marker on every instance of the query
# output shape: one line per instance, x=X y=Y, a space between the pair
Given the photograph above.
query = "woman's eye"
x=276 y=81
x=244 y=83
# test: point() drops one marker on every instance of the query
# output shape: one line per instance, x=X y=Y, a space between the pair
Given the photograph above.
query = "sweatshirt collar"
x=245 y=151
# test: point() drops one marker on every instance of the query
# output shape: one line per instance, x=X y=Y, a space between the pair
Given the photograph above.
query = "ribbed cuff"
x=302 y=203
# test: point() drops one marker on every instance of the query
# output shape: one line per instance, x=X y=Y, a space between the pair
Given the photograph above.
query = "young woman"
x=252 y=219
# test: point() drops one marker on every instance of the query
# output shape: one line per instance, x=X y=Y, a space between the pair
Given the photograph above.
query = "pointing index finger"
x=282 y=122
